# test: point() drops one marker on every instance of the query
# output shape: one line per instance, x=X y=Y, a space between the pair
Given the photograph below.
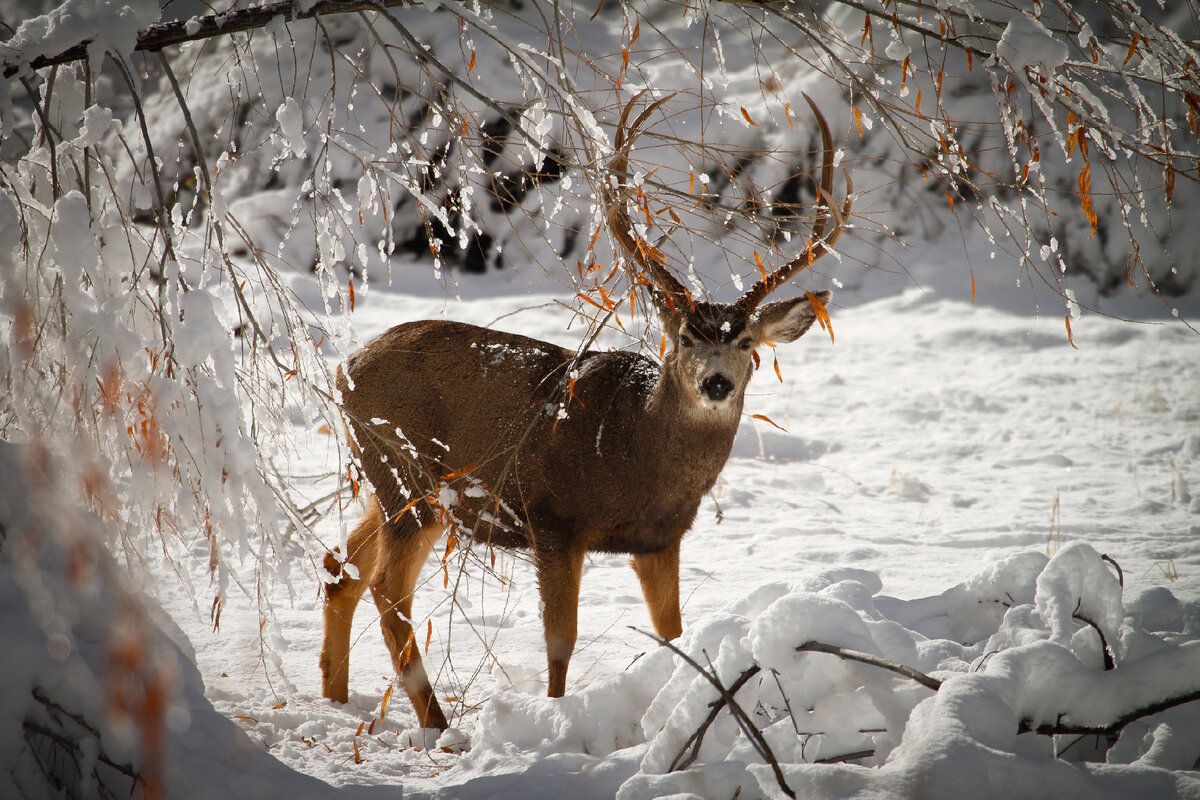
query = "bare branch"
x=876 y=661
x=156 y=37
x=743 y=719
x=1061 y=728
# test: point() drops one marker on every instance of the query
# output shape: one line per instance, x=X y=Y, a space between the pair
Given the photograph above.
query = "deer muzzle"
x=716 y=388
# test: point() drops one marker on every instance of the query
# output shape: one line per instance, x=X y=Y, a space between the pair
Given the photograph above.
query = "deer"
x=540 y=449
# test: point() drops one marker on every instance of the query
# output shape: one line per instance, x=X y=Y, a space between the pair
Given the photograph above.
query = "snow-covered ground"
x=926 y=447
x=940 y=483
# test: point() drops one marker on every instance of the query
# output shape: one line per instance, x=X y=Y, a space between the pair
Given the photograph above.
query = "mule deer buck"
x=436 y=404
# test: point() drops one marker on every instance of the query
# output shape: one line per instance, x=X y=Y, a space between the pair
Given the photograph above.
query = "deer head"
x=713 y=345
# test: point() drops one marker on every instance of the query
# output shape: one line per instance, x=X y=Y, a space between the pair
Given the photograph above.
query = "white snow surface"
x=947 y=481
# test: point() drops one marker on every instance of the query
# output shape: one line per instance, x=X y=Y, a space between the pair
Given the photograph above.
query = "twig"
x=1109 y=657
x=1120 y=572
x=697 y=738
x=1059 y=728
x=156 y=37
x=163 y=218
x=867 y=658
x=72 y=745
x=855 y=756
x=739 y=714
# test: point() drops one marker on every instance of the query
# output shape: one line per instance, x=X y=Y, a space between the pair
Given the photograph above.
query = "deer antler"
x=817 y=246
x=645 y=255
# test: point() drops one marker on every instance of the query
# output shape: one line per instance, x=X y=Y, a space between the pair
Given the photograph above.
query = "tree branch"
x=165 y=34
x=1060 y=728
x=179 y=31
x=876 y=661
x=739 y=714
x=685 y=759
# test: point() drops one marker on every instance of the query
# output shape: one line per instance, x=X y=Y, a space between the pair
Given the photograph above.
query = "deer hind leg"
x=558 y=582
x=342 y=597
x=659 y=575
x=403 y=553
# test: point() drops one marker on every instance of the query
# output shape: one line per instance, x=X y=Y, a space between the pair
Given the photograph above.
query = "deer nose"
x=717 y=387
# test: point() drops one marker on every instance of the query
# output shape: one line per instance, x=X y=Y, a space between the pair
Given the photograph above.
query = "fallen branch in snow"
x=1025 y=726
x=685 y=759
x=1060 y=729
x=1109 y=661
x=1120 y=572
x=855 y=756
x=739 y=714
x=867 y=658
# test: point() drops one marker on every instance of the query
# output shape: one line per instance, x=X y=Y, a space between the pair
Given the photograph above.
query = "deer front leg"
x=341 y=598
x=558 y=581
x=659 y=575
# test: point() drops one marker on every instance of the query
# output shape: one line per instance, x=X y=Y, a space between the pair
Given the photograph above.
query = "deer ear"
x=787 y=320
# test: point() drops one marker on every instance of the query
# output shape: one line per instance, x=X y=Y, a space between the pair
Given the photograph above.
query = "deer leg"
x=342 y=597
x=558 y=582
x=659 y=575
x=403 y=555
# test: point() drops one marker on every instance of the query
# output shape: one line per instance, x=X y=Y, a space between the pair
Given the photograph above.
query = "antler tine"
x=644 y=254
x=819 y=243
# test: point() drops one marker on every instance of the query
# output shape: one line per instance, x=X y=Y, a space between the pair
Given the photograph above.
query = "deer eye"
x=685 y=341
x=745 y=344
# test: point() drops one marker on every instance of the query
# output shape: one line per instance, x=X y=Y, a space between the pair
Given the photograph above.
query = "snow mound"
x=100 y=693
x=1017 y=701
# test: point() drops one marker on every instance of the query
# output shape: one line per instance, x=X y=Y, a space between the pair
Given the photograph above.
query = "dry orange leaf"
x=590 y=300
x=746 y=114
x=821 y=313
x=387 y=696
x=1133 y=44
x=758 y=261
x=460 y=472
x=769 y=421
x=428 y=636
